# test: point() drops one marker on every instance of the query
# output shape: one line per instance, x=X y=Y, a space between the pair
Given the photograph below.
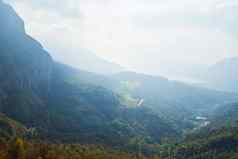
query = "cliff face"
x=25 y=69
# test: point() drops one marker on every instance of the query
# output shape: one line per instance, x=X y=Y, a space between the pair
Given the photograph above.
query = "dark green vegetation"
x=21 y=149
x=43 y=95
x=226 y=114
x=43 y=103
x=211 y=143
x=219 y=140
x=174 y=101
x=10 y=128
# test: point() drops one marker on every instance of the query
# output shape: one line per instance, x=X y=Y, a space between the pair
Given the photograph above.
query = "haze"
x=150 y=36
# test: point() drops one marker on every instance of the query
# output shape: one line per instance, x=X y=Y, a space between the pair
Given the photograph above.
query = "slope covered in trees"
x=43 y=103
x=37 y=92
x=179 y=102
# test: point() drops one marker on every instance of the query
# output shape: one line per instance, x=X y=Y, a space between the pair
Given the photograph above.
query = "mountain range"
x=86 y=60
x=45 y=100
x=39 y=93
x=223 y=76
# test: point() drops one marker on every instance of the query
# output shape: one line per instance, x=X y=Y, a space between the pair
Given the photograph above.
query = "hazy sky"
x=144 y=35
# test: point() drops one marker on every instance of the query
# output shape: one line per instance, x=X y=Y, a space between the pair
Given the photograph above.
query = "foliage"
x=22 y=149
x=210 y=143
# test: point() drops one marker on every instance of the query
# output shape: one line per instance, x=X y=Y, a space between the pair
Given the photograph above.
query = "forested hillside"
x=40 y=94
x=49 y=110
x=218 y=140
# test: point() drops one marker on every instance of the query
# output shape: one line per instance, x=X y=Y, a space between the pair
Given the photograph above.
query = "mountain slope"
x=126 y=111
x=85 y=60
x=172 y=100
x=223 y=75
x=219 y=144
x=40 y=94
x=226 y=115
x=25 y=71
x=10 y=128
x=217 y=140
x=95 y=114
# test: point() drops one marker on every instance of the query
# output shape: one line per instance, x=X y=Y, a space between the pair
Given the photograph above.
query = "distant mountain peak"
x=228 y=61
x=223 y=75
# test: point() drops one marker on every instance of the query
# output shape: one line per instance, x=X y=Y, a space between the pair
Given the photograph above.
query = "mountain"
x=219 y=143
x=25 y=71
x=222 y=75
x=172 y=100
x=95 y=111
x=159 y=94
x=44 y=95
x=226 y=114
x=43 y=100
x=86 y=60
x=218 y=139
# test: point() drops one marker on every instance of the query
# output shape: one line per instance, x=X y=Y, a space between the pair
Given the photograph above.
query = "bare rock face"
x=25 y=69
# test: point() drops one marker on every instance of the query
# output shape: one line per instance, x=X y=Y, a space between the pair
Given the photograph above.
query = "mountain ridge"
x=66 y=105
x=39 y=93
x=222 y=75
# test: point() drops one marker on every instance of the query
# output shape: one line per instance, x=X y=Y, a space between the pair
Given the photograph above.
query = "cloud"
x=144 y=35
x=69 y=8
x=226 y=14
